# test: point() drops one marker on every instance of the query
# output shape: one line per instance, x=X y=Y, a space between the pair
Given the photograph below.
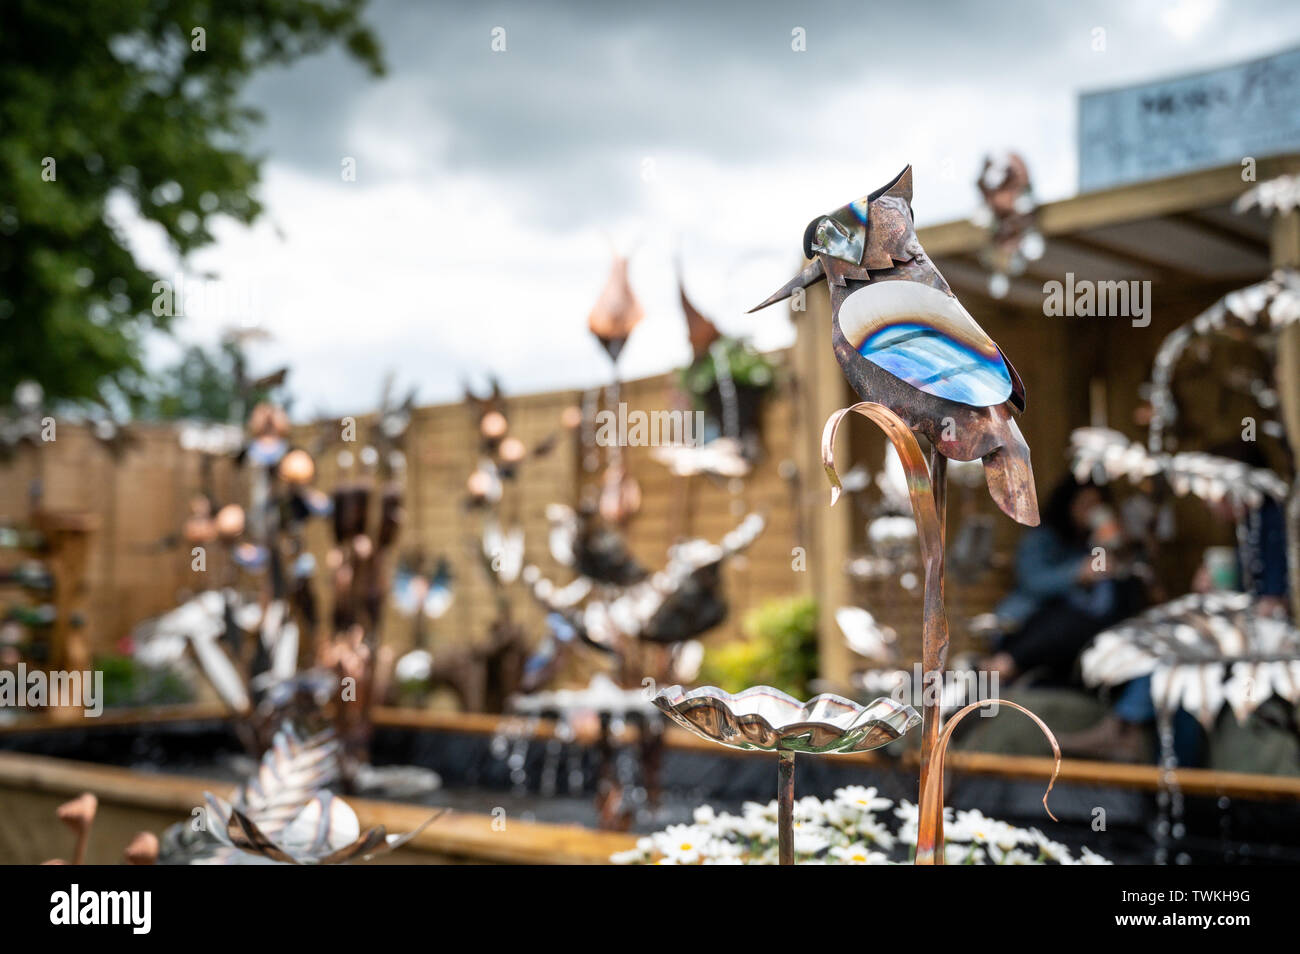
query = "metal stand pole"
x=785 y=806
x=934 y=650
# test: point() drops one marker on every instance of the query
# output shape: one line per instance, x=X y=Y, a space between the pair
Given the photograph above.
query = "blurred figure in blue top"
x=1069 y=587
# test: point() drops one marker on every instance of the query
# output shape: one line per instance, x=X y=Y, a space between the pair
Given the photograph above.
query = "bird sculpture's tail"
x=1011 y=479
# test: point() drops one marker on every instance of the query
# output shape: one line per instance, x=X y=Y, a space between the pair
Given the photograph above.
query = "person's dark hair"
x=1057 y=516
x=1243 y=452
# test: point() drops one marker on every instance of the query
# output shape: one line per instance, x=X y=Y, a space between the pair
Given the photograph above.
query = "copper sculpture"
x=922 y=366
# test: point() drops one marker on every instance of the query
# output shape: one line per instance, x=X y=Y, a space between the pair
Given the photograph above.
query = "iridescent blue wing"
x=923 y=336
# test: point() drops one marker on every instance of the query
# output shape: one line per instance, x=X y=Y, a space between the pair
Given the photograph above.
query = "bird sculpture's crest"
x=874 y=232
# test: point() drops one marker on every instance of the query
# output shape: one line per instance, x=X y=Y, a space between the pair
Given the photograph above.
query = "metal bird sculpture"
x=922 y=366
x=904 y=340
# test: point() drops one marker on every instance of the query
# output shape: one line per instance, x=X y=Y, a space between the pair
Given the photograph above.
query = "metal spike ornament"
x=616 y=312
x=612 y=319
x=923 y=366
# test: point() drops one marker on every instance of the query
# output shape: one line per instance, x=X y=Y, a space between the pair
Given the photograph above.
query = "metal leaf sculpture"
x=1261 y=309
x=1280 y=194
x=675 y=604
x=1103 y=455
x=1202 y=650
x=324 y=831
x=921 y=363
x=285 y=813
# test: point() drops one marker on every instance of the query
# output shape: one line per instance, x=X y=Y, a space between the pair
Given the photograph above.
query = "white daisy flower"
x=864 y=799
x=858 y=854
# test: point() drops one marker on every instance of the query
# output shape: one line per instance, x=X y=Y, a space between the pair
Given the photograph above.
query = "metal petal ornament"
x=616 y=312
x=286 y=814
x=1202 y=651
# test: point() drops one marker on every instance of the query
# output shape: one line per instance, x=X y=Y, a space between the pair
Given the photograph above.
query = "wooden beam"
x=1223 y=231
x=1157 y=268
x=1127 y=203
x=1285 y=243
x=967 y=274
x=112 y=718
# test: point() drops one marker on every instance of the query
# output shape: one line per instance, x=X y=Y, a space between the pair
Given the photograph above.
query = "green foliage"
x=128 y=683
x=202 y=386
x=779 y=649
x=112 y=103
x=748 y=368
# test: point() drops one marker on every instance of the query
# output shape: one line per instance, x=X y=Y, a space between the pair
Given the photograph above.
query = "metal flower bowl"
x=767 y=719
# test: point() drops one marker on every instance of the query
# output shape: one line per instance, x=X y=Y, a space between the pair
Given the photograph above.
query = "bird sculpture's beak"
x=812 y=273
x=1011 y=479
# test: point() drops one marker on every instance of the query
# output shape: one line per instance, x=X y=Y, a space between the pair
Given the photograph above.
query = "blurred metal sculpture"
x=701 y=332
x=1103 y=455
x=1260 y=311
x=284 y=813
x=1010 y=216
x=922 y=364
x=623 y=604
x=617 y=311
x=1280 y=195
x=612 y=320
x=727 y=382
x=1202 y=651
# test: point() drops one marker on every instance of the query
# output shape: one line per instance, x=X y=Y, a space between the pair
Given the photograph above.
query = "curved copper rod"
x=929 y=839
x=926 y=498
x=914 y=466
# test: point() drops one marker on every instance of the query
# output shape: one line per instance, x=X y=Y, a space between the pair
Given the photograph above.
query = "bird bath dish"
x=768 y=720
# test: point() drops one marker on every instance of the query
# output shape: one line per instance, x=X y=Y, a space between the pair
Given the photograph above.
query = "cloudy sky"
x=491 y=186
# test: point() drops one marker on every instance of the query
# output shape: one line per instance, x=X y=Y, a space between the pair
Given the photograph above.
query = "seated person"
x=1066 y=590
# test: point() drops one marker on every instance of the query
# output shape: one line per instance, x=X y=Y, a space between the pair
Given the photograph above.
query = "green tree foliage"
x=135 y=101
x=203 y=385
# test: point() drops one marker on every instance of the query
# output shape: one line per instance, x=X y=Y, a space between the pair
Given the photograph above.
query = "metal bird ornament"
x=922 y=366
x=904 y=340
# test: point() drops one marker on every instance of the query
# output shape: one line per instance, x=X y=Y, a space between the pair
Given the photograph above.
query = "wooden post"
x=821 y=390
x=1285 y=253
x=68 y=539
